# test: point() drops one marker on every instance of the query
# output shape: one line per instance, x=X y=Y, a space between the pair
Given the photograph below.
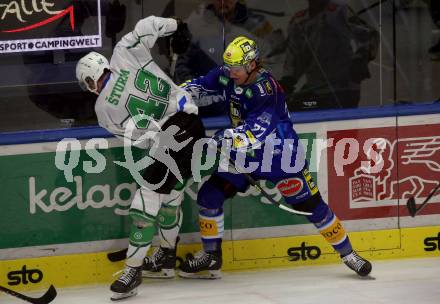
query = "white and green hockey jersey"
x=137 y=87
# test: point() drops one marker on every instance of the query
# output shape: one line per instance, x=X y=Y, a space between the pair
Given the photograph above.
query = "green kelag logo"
x=63 y=198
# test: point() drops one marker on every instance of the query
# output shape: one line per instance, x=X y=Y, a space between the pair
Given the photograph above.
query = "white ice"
x=406 y=281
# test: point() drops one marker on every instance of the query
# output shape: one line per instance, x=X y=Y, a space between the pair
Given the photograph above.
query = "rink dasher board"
x=242 y=253
x=95 y=268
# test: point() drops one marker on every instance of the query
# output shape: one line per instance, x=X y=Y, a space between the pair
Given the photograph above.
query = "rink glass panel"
x=38 y=89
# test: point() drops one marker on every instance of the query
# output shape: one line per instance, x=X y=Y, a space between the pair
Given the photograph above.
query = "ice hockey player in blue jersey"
x=262 y=136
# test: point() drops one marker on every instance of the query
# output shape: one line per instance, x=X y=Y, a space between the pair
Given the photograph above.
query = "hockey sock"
x=211 y=222
x=170 y=221
x=141 y=234
x=331 y=228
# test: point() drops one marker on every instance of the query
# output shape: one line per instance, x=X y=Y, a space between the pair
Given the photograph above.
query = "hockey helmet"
x=89 y=69
x=241 y=52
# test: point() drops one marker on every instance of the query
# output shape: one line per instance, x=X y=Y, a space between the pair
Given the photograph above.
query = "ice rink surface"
x=409 y=281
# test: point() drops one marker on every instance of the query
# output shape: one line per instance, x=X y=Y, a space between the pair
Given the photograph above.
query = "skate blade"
x=163 y=274
x=119 y=296
x=206 y=274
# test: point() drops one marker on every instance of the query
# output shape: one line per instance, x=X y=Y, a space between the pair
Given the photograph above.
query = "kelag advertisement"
x=37 y=25
x=40 y=207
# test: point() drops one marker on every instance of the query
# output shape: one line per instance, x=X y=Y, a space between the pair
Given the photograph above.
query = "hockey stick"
x=370 y=7
x=48 y=297
x=411 y=203
x=120 y=255
x=262 y=191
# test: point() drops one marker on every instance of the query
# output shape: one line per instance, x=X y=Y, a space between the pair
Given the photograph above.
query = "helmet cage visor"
x=83 y=85
x=234 y=68
x=88 y=84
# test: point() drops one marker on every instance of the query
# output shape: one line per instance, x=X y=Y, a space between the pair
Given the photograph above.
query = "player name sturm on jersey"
x=118 y=88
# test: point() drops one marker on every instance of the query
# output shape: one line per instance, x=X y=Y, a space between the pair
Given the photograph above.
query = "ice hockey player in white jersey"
x=136 y=95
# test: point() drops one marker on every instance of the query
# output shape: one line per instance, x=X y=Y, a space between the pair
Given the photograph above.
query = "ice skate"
x=355 y=262
x=204 y=265
x=161 y=264
x=126 y=285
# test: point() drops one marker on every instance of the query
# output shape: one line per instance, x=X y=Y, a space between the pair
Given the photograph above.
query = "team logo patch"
x=260 y=88
x=223 y=80
x=238 y=90
x=235 y=113
x=310 y=183
x=291 y=186
x=268 y=87
x=248 y=93
x=246 y=47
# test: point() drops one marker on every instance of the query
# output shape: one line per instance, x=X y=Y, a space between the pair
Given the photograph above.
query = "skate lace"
x=127 y=275
x=158 y=254
x=353 y=260
x=199 y=259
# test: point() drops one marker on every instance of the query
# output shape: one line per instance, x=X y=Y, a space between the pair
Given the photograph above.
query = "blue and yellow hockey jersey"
x=257 y=111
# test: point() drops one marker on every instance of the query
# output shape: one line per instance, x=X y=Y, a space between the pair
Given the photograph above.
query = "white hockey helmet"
x=89 y=69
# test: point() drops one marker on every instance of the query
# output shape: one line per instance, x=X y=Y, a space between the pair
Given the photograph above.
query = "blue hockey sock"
x=331 y=228
x=211 y=223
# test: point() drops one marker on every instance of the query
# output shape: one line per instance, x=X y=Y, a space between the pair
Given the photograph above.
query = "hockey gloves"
x=181 y=38
x=238 y=141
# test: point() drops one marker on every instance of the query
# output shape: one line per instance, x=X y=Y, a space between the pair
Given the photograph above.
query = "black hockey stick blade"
x=411 y=206
x=411 y=203
x=117 y=256
x=48 y=297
